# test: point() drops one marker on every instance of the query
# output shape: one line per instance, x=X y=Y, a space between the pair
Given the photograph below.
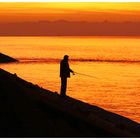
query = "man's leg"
x=63 y=86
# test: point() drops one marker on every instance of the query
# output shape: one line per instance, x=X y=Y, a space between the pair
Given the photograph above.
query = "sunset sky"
x=70 y=11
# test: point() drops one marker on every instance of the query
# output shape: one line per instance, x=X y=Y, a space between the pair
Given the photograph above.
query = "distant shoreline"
x=83 y=36
x=6 y=59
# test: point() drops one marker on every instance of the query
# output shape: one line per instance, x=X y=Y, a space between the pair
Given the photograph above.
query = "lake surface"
x=112 y=66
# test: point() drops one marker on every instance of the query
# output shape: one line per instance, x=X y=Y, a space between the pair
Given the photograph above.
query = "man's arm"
x=72 y=71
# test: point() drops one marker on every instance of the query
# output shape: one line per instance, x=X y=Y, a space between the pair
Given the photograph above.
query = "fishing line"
x=112 y=98
x=86 y=75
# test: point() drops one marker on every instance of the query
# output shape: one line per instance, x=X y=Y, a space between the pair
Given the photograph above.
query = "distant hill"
x=6 y=59
x=67 y=28
x=28 y=110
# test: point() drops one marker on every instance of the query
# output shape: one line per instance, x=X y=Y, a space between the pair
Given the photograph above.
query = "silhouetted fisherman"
x=64 y=74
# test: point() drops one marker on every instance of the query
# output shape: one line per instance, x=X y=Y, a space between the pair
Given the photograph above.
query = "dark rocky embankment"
x=6 y=59
x=30 y=111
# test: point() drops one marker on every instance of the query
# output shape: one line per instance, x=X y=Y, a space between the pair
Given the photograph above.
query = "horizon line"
x=69 y=0
x=70 y=21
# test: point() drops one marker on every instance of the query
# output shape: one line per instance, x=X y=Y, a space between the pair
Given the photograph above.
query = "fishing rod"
x=86 y=75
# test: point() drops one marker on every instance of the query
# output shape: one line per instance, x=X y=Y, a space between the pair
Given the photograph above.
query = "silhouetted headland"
x=6 y=59
x=70 y=28
x=28 y=110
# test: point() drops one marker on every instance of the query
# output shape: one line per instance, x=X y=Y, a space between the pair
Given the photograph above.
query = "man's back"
x=64 y=68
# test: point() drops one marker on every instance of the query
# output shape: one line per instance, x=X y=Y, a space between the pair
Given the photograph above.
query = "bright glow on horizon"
x=69 y=0
x=70 y=11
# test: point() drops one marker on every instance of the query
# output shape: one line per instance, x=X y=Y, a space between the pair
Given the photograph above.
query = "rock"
x=30 y=111
x=6 y=59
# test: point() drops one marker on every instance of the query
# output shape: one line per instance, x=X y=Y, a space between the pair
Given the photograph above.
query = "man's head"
x=66 y=57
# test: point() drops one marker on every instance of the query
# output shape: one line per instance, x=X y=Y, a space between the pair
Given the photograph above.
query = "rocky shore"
x=28 y=110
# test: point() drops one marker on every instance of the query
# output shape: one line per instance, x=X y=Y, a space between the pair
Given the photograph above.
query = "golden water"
x=116 y=84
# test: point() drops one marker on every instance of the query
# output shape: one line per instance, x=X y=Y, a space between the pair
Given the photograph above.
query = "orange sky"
x=77 y=11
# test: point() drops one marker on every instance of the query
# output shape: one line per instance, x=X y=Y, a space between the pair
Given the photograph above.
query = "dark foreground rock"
x=6 y=59
x=26 y=110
